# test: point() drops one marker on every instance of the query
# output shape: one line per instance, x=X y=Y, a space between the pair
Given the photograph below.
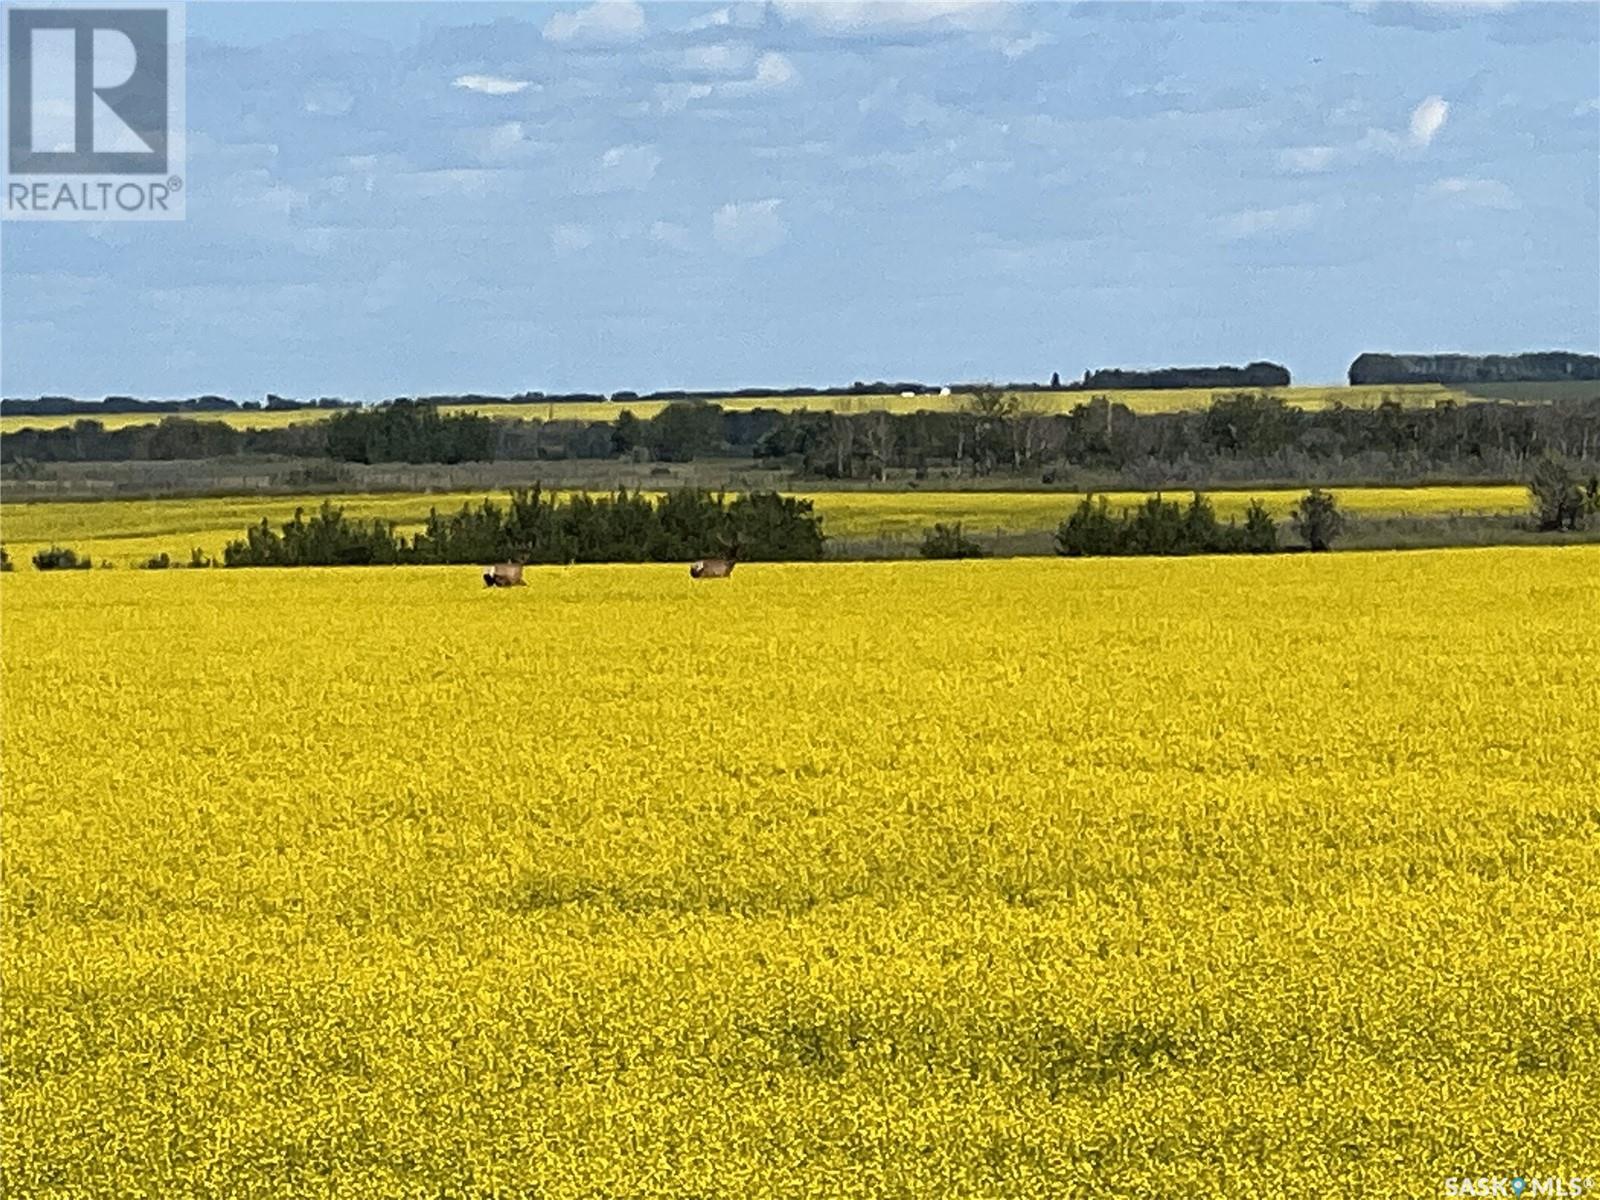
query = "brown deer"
x=716 y=568
x=508 y=574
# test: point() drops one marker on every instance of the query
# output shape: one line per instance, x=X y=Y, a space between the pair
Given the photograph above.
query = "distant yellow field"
x=1178 y=400
x=128 y=532
x=1228 y=877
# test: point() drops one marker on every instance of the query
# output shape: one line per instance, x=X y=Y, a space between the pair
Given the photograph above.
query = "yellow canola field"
x=1034 y=878
x=1144 y=400
x=129 y=532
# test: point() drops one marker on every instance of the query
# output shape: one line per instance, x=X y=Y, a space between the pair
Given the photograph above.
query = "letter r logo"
x=87 y=91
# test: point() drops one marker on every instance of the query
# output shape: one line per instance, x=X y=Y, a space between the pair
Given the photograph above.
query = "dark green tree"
x=1317 y=519
x=1558 y=502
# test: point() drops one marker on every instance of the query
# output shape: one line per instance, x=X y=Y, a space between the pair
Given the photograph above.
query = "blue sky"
x=412 y=198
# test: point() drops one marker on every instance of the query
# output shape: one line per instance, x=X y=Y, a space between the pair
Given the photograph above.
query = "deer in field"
x=716 y=568
x=508 y=574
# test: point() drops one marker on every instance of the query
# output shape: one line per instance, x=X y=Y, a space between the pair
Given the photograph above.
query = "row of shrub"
x=540 y=527
x=1160 y=526
x=1164 y=527
x=536 y=527
x=64 y=558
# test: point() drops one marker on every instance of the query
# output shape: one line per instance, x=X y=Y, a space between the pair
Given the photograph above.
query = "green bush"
x=1558 y=501
x=329 y=538
x=5 y=560
x=947 y=541
x=1089 y=530
x=1164 y=527
x=159 y=563
x=58 y=558
x=1317 y=519
x=536 y=527
x=1260 y=532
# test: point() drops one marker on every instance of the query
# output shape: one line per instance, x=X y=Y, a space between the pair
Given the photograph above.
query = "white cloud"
x=1427 y=119
x=1014 y=48
x=716 y=19
x=976 y=176
x=1307 y=160
x=329 y=100
x=568 y=239
x=505 y=143
x=1260 y=222
x=1477 y=193
x=865 y=16
x=719 y=58
x=748 y=15
x=750 y=228
x=773 y=71
x=669 y=234
x=808 y=149
x=491 y=85
x=626 y=168
x=675 y=97
x=607 y=21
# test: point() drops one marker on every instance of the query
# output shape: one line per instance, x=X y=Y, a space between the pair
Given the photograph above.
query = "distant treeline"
x=538 y=527
x=66 y=406
x=1240 y=436
x=1543 y=367
x=1256 y=375
x=1552 y=366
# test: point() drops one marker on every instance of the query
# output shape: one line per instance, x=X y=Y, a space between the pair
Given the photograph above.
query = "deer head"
x=717 y=568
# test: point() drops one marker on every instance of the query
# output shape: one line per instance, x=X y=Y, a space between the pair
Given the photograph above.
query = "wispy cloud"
x=1427 y=119
x=1474 y=193
x=1264 y=222
x=773 y=72
x=1021 y=47
x=749 y=14
x=1424 y=124
x=718 y=58
x=867 y=16
x=491 y=85
x=625 y=168
x=675 y=97
x=976 y=175
x=608 y=21
x=719 y=18
x=569 y=239
x=751 y=228
x=329 y=100
x=503 y=144
x=1307 y=160
x=669 y=234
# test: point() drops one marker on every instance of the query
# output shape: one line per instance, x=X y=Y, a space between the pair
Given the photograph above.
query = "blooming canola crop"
x=1257 y=876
